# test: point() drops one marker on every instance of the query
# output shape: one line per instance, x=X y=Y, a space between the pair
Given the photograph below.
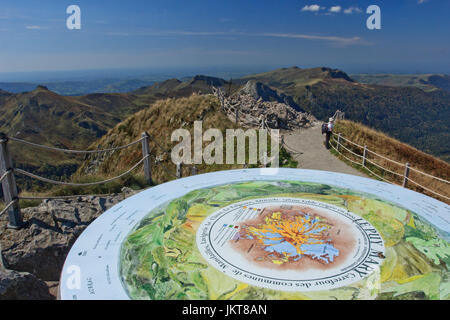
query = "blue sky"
x=415 y=35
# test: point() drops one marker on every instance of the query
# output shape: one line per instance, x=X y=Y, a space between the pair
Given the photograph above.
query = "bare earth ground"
x=307 y=147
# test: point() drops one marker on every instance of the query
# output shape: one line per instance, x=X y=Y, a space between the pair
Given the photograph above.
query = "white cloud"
x=336 y=9
x=223 y=20
x=33 y=27
x=341 y=40
x=333 y=39
x=352 y=10
x=312 y=8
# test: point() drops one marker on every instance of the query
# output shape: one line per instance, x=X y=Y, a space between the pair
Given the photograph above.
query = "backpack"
x=324 y=128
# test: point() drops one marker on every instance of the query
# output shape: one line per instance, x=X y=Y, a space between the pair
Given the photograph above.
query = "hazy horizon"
x=225 y=72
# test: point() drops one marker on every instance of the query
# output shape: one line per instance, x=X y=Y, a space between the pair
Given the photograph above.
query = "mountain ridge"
x=409 y=114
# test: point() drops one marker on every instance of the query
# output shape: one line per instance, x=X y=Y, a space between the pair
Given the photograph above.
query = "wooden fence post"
x=9 y=186
x=364 y=156
x=147 y=160
x=179 y=170
x=193 y=170
x=406 y=175
x=338 y=142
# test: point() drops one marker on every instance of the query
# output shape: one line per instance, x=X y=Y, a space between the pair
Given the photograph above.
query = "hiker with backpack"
x=327 y=128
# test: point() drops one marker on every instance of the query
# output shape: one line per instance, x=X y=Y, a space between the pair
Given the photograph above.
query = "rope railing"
x=430 y=176
x=73 y=184
x=9 y=205
x=355 y=154
x=12 y=203
x=379 y=177
x=365 y=159
x=387 y=159
x=176 y=175
x=75 y=196
x=345 y=156
x=5 y=174
x=159 y=145
x=291 y=149
x=353 y=143
x=73 y=151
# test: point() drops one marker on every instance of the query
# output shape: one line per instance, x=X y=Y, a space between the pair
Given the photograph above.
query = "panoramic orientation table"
x=265 y=234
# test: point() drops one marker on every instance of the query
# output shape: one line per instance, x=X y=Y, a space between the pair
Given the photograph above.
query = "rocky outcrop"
x=337 y=74
x=39 y=250
x=256 y=105
x=259 y=91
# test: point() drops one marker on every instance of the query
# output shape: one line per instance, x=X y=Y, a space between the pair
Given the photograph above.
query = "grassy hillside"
x=44 y=117
x=406 y=113
x=393 y=149
x=118 y=104
x=73 y=88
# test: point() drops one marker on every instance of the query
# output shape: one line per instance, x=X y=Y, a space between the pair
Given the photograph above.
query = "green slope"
x=409 y=114
x=427 y=82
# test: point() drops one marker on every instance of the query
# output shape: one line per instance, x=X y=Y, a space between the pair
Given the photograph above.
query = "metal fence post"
x=338 y=142
x=9 y=186
x=364 y=156
x=178 y=170
x=147 y=160
x=406 y=175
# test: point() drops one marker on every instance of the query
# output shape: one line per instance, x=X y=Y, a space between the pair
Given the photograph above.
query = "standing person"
x=329 y=132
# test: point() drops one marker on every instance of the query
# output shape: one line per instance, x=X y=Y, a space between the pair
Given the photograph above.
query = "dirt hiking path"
x=307 y=147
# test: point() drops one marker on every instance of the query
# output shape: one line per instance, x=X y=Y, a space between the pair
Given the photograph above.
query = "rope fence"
x=357 y=163
x=8 y=172
x=338 y=146
x=64 y=197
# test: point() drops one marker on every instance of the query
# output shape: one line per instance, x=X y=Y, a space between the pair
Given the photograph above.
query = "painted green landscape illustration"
x=160 y=259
